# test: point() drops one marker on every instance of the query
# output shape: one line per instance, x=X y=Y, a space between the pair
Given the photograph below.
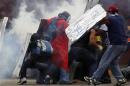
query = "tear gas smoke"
x=29 y=13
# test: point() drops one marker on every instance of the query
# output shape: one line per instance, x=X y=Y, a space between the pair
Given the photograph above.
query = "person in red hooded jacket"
x=59 y=42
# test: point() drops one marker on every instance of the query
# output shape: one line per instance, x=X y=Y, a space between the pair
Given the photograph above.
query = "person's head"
x=112 y=9
x=64 y=15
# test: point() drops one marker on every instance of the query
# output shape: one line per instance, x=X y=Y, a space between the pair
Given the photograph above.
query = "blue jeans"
x=64 y=75
x=110 y=60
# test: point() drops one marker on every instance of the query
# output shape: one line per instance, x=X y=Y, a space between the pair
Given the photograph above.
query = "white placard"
x=3 y=24
x=85 y=22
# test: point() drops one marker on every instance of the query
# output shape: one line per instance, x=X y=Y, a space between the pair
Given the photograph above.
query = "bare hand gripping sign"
x=85 y=22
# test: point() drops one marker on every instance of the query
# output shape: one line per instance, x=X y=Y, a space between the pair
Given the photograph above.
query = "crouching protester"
x=85 y=51
x=40 y=52
x=59 y=42
x=117 y=29
x=53 y=30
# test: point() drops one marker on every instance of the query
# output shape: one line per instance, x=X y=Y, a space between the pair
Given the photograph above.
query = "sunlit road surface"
x=13 y=82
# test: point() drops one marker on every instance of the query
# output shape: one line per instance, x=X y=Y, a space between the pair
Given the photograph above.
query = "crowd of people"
x=93 y=55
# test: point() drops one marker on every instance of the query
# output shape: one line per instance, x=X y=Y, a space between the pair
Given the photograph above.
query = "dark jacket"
x=117 y=29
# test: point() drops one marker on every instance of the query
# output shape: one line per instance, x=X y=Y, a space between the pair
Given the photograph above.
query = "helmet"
x=113 y=9
x=64 y=15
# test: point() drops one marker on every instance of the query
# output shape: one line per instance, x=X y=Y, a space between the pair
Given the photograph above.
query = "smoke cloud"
x=6 y=7
x=124 y=6
x=25 y=18
x=10 y=50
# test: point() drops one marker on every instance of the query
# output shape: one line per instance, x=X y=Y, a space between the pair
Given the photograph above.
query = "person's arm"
x=92 y=39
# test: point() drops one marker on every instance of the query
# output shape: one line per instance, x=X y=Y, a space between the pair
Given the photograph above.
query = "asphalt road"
x=13 y=82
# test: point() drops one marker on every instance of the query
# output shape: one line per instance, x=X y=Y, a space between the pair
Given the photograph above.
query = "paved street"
x=12 y=82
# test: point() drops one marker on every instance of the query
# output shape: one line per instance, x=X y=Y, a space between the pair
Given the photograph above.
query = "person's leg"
x=89 y=58
x=115 y=66
x=106 y=77
x=28 y=63
x=53 y=72
x=23 y=70
x=24 y=67
x=117 y=72
x=86 y=57
x=107 y=58
x=43 y=76
x=110 y=54
x=64 y=75
x=94 y=59
x=92 y=68
x=73 y=63
x=57 y=74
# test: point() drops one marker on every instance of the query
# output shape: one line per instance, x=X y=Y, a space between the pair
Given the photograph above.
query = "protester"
x=37 y=58
x=102 y=36
x=53 y=31
x=59 y=42
x=86 y=51
x=118 y=44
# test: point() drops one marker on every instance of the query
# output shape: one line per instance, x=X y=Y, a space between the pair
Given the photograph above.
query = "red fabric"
x=60 y=45
x=128 y=39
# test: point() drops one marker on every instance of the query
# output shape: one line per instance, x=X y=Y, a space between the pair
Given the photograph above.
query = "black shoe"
x=22 y=81
x=121 y=82
x=91 y=81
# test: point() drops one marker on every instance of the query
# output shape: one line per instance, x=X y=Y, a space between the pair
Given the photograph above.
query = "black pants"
x=84 y=56
x=34 y=62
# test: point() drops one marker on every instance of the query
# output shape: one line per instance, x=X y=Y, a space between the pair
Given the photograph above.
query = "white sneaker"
x=22 y=81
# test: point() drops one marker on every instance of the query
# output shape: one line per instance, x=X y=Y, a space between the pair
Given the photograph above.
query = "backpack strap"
x=52 y=25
